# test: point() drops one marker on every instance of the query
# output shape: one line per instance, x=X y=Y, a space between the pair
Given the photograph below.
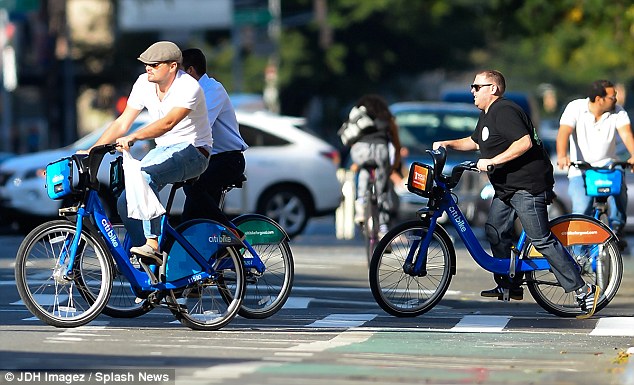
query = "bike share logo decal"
x=221 y=238
x=485 y=133
x=259 y=232
x=458 y=219
x=107 y=227
x=57 y=178
x=579 y=233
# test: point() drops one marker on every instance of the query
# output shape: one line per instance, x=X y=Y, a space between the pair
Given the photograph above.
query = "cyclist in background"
x=373 y=147
x=590 y=125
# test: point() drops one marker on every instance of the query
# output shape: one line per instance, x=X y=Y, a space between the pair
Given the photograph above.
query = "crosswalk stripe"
x=342 y=321
x=614 y=326
x=481 y=324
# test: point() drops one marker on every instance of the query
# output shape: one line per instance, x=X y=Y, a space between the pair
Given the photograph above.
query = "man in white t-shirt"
x=590 y=126
x=180 y=128
x=227 y=163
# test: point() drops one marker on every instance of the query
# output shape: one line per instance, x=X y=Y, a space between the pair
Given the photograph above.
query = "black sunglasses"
x=155 y=65
x=477 y=87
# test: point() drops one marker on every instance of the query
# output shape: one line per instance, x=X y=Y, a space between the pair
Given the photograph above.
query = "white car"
x=291 y=175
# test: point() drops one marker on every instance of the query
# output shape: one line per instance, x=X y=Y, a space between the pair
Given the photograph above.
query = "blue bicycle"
x=268 y=264
x=413 y=265
x=602 y=183
x=64 y=268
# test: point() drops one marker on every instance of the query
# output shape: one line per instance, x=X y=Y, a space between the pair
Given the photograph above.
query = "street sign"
x=20 y=6
x=248 y=16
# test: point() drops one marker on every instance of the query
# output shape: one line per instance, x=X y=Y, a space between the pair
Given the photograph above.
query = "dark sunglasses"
x=155 y=65
x=477 y=87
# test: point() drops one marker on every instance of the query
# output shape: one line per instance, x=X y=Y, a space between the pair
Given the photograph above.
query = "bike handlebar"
x=583 y=165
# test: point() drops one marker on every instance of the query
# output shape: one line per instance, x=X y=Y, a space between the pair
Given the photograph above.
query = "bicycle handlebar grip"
x=490 y=168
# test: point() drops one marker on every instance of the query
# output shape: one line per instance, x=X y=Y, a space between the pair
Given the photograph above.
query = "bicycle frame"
x=483 y=258
x=138 y=279
x=443 y=201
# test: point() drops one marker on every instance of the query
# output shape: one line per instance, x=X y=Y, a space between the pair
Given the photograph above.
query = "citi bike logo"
x=107 y=227
x=219 y=238
x=458 y=219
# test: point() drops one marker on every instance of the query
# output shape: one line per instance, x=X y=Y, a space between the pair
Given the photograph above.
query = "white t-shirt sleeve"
x=570 y=116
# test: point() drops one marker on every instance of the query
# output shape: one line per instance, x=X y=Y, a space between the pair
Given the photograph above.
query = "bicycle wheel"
x=600 y=264
x=202 y=306
x=55 y=299
x=266 y=292
x=371 y=224
x=123 y=302
x=402 y=294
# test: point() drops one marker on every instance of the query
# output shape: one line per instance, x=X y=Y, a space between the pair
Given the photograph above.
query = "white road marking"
x=481 y=324
x=614 y=326
x=342 y=321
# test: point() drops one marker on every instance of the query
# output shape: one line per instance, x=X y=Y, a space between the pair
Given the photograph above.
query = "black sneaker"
x=516 y=293
x=588 y=300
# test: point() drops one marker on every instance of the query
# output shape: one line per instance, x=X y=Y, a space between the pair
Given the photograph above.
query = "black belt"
x=203 y=151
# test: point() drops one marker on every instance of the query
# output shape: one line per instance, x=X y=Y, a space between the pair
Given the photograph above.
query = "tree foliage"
x=385 y=46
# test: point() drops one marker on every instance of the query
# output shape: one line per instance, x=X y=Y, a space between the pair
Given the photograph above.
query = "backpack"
x=359 y=123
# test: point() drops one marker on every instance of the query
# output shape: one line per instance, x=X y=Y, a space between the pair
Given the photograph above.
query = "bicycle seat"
x=237 y=183
x=180 y=184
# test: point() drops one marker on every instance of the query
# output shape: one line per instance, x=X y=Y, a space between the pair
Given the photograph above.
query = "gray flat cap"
x=161 y=51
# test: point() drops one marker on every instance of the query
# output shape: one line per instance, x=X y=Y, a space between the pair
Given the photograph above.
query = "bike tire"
x=601 y=264
x=371 y=225
x=204 y=306
x=123 y=302
x=267 y=293
x=59 y=301
x=399 y=293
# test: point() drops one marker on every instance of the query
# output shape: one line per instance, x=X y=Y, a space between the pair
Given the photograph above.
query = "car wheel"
x=288 y=206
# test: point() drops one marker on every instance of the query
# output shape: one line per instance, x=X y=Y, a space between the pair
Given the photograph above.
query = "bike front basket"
x=421 y=179
x=61 y=178
x=603 y=183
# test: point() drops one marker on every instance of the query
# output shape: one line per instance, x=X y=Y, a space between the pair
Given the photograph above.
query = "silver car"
x=291 y=175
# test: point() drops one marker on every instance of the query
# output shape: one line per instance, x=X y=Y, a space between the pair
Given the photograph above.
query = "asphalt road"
x=331 y=332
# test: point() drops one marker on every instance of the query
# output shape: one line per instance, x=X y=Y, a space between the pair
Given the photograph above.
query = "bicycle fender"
x=577 y=229
x=260 y=229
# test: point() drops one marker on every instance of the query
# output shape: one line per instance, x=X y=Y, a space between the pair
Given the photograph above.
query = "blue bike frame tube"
x=137 y=278
x=73 y=245
x=420 y=266
x=482 y=258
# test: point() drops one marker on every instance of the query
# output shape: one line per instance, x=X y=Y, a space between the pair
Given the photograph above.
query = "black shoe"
x=588 y=299
x=516 y=293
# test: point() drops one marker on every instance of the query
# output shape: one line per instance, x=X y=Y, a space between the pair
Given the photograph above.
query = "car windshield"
x=419 y=129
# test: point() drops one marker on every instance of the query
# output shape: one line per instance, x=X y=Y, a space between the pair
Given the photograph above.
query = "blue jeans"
x=582 y=204
x=532 y=213
x=162 y=166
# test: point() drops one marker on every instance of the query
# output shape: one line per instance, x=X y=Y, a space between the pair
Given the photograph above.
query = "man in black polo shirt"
x=522 y=177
